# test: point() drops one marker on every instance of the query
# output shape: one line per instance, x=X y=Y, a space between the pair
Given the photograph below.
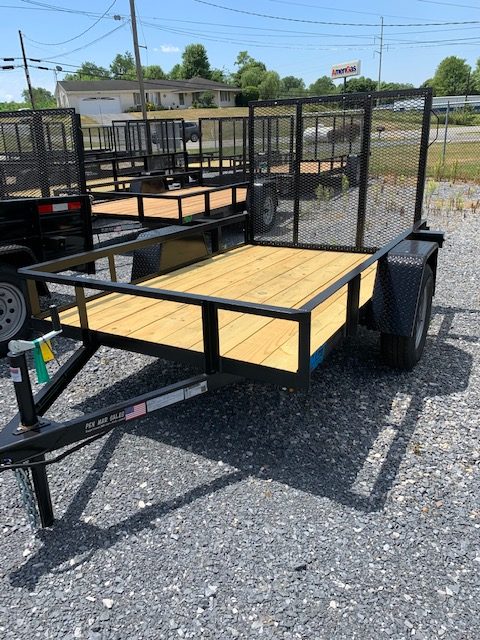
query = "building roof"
x=194 y=84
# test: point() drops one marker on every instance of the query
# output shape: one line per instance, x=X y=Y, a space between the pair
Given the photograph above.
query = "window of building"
x=181 y=99
x=136 y=98
x=224 y=96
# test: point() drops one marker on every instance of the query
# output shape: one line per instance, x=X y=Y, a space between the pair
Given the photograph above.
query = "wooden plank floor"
x=312 y=167
x=167 y=206
x=271 y=275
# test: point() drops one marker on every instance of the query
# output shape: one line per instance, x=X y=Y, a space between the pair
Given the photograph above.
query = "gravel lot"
x=350 y=511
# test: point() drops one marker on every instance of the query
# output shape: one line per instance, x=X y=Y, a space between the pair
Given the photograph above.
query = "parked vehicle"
x=192 y=131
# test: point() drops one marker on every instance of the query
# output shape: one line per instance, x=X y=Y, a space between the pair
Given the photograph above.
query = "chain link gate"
x=344 y=172
x=41 y=154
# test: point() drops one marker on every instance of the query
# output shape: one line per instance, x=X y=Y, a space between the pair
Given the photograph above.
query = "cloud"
x=167 y=48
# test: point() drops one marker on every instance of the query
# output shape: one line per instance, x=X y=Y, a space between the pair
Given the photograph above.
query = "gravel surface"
x=348 y=511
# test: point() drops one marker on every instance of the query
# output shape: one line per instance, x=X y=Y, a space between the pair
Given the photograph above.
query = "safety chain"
x=28 y=497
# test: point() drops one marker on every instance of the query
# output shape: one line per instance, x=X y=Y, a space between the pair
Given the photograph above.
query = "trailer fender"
x=397 y=285
x=17 y=255
x=263 y=203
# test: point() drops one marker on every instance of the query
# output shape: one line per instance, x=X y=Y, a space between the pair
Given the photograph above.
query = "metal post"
x=380 y=54
x=422 y=160
x=27 y=73
x=444 y=150
x=297 y=170
x=364 y=162
x=141 y=84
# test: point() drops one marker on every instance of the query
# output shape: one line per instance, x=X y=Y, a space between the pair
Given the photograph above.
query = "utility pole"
x=380 y=54
x=141 y=84
x=27 y=73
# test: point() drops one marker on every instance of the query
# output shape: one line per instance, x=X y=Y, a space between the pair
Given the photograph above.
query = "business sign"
x=346 y=69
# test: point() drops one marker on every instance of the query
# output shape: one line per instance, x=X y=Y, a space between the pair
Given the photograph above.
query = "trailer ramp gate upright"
x=270 y=308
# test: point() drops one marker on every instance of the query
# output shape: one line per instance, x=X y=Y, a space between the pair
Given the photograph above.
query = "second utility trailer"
x=269 y=308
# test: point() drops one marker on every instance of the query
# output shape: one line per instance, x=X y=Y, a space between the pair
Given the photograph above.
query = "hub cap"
x=268 y=211
x=13 y=311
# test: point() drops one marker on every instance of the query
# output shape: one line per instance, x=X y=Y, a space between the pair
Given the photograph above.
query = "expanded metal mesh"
x=343 y=171
x=223 y=147
x=40 y=154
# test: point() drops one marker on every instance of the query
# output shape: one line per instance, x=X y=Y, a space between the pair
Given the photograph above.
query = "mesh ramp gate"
x=348 y=171
x=41 y=154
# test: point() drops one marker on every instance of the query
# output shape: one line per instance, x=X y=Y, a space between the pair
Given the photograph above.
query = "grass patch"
x=462 y=161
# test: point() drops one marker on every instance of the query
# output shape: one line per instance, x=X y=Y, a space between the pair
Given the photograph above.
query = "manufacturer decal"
x=16 y=374
x=135 y=411
x=105 y=421
x=196 y=390
x=165 y=400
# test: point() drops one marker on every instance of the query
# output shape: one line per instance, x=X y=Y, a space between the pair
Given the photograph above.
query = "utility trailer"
x=269 y=309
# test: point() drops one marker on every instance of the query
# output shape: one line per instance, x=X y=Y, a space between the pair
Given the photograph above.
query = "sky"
x=299 y=37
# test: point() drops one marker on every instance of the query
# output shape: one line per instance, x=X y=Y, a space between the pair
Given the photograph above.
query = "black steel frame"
x=234 y=162
x=238 y=204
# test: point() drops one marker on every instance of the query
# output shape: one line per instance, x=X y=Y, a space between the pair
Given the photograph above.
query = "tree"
x=395 y=86
x=195 y=62
x=252 y=76
x=247 y=95
x=176 y=72
x=245 y=62
x=88 y=71
x=361 y=84
x=154 y=72
x=451 y=77
x=123 y=66
x=322 y=86
x=475 y=79
x=270 y=86
x=43 y=98
x=219 y=75
x=292 y=86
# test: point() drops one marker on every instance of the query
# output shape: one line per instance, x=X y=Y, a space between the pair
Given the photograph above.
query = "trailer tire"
x=13 y=307
x=265 y=215
x=403 y=352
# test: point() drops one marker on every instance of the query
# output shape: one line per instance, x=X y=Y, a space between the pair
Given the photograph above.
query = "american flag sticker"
x=135 y=411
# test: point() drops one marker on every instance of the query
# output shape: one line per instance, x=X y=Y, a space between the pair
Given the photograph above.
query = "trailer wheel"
x=403 y=352
x=266 y=213
x=13 y=307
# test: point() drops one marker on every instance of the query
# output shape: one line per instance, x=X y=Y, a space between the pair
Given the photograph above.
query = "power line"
x=53 y=44
x=102 y=37
x=337 y=10
x=450 y=4
x=338 y=24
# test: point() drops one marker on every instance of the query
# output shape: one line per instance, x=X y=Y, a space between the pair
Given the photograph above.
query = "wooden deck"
x=310 y=167
x=270 y=275
x=167 y=205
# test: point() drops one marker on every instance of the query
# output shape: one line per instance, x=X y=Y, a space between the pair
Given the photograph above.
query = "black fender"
x=397 y=285
x=18 y=255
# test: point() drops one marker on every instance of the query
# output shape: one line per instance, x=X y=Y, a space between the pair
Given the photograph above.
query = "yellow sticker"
x=47 y=352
